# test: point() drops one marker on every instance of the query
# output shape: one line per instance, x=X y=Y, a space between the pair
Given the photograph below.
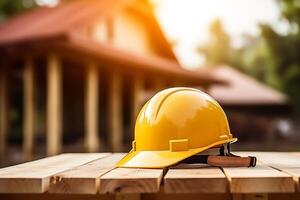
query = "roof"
x=244 y=90
x=58 y=27
x=46 y=22
x=120 y=58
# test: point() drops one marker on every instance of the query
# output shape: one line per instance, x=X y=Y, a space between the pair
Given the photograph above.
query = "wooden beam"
x=91 y=108
x=28 y=106
x=187 y=196
x=3 y=111
x=138 y=89
x=35 y=176
x=115 y=112
x=54 y=105
x=47 y=196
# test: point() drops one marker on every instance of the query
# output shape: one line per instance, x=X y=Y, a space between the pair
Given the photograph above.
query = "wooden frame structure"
x=92 y=105
x=53 y=38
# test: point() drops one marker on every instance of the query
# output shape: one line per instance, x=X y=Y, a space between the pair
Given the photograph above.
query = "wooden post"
x=28 y=106
x=3 y=111
x=158 y=84
x=115 y=112
x=91 y=109
x=138 y=84
x=54 y=105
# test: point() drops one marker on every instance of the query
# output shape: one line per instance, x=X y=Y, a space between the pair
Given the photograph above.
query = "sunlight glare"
x=186 y=22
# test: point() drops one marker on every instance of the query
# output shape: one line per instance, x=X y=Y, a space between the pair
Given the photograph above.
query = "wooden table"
x=94 y=176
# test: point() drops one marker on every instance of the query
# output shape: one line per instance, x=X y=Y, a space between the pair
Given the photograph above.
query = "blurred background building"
x=74 y=75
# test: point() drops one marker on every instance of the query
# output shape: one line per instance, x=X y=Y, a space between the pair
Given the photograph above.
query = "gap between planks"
x=286 y=162
x=129 y=180
x=34 y=177
x=102 y=176
x=84 y=179
x=259 y=179
x=195 y=179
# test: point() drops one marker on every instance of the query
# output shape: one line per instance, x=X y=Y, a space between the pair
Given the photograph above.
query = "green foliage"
x=11 y=7
x=285 y=52
x=271 y=57
x=218 y=49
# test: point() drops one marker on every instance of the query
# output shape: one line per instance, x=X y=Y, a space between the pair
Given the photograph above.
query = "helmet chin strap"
x=225 y=150
x=224 y=159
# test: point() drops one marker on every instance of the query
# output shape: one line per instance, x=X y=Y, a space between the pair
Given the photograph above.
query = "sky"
x=186 y=22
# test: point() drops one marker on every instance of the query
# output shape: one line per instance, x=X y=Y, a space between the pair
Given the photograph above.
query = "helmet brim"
x=162 y=159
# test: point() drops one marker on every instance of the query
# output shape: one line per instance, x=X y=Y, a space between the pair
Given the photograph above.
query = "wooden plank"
x=292 y=196
x=91 y=108
x=3 y=111
x=84 y=179
x=186 y=196
x=285 y=162
x=46 y=196
x=115 y=112
x=259 y=179
x=125 y=180
x=28 y=106
x=133 y=196
x=148 y=196
x=256 y=196
x=197 y=179
x=54 y=105
x=34 y=177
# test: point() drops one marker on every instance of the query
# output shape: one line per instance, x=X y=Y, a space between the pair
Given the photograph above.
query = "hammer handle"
x=231 y=161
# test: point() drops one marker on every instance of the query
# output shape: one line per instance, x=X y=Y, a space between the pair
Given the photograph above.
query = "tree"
x=272 y=58
x=217 y=50
x=285 y=50
x=9 y=8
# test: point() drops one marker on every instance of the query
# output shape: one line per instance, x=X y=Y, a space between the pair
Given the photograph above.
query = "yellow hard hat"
x=174 y=125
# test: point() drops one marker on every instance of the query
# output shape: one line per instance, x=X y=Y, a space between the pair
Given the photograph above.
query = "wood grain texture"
x=285 y=162
x=124 y=180
x=84 y=179
x=137 y=92
x=256 y=196
x=34 y=177
x=46 y=196
x=93 y=173
x=195 y=180
x=259 y=179
x=151 y=196
x=185 y=196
